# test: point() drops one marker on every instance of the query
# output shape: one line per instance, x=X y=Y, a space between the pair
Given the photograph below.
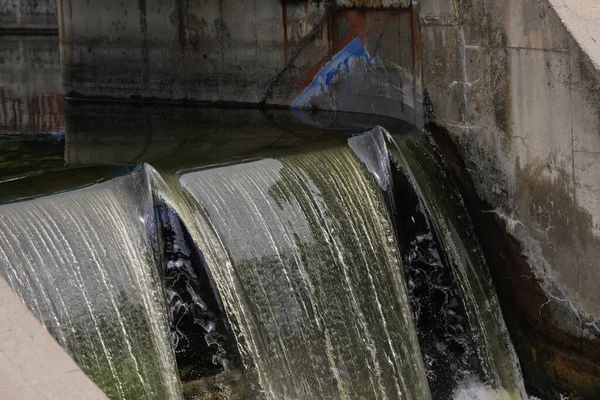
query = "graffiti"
x=342 y=61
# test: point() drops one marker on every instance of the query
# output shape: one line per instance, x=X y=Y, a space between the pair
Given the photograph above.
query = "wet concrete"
x=557 y=351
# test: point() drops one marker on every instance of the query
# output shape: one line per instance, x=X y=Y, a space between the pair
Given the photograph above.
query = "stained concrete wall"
x=519 y=95
x=28 y=16
x=30 y=85
x=517 y=90
x=268 y=52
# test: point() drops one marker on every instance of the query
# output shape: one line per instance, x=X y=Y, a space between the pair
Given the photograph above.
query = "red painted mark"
x=14 y=111
x=59 y=117
x=43 y=111
x=343 y=42
x=356 y=19
x=306 y=17
x=4 y=110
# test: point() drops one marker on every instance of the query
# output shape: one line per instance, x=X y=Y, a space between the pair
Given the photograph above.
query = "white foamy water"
x=304 y=255
x=497 y=357
x=473 y=389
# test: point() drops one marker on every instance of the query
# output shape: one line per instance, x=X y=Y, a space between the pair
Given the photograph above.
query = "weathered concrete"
x=30 y=85
x=520 y=98
x=32 y=364
x=28 y=16
x=267 y=52
x=581 y=17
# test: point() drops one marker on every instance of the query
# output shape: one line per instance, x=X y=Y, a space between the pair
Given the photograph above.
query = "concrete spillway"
x=303 y=254
x=514 y=84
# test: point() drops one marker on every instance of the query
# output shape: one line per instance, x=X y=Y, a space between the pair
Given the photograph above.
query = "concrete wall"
x=270 y=52
x=28 y=15
x=30 y=85
x=521 y=99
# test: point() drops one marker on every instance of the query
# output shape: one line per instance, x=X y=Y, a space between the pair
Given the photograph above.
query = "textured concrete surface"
x=32 y=364
x=581 y=17
x=30 y=85
x=28 y=15
x=519 y=91
x=264 y=52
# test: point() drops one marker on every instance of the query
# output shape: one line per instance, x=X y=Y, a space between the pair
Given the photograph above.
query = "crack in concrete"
x=572 y=305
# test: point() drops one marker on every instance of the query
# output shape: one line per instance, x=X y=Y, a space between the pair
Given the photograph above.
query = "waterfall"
x=486 y=365
x=347 y=271
x=83 y=262
x=303 y=253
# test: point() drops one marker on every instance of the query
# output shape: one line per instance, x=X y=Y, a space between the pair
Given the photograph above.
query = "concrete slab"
x=581 y=18
x=32 y=364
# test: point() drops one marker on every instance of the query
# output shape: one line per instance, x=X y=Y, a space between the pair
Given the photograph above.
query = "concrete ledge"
x=581 y=17
x=32 y=364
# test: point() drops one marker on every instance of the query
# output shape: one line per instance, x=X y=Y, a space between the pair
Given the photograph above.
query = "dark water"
x=216 y=253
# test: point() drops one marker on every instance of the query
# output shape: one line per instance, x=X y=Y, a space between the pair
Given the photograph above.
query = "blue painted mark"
x=326 y=75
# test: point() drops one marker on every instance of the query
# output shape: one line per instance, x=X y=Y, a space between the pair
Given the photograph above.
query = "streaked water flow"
x=495 y=374
x=274 y=278
x=84 y=265
x=311 y=262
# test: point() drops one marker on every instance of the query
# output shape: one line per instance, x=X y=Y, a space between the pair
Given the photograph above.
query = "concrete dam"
x=298 y=199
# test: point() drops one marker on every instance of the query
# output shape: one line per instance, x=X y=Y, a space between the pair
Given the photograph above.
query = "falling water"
x=451 y=248
x=303 y=253
x=83 y=263
x=272 y=278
